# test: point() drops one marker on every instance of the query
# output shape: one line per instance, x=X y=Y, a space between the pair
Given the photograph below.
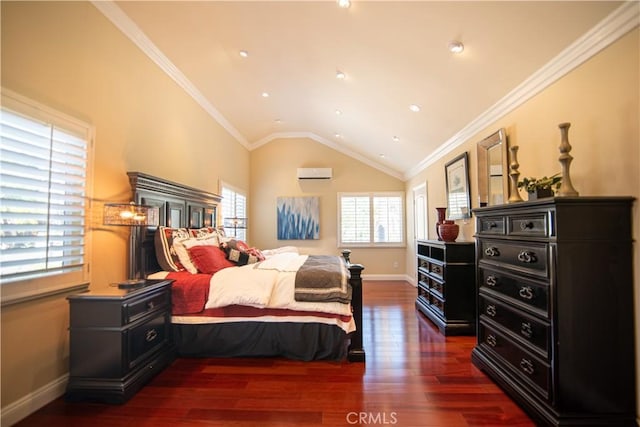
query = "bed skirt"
x=298 y=341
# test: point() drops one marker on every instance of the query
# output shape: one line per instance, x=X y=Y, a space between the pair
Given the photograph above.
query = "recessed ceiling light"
x=340 y=75
x=396 y=139
x=337 y=135
x=381 y=155
x=265 y=94
x=344 y=3
x=338 y=112
x=244 y=53
x=278 y=121
x=415 y=108
x=456 y=46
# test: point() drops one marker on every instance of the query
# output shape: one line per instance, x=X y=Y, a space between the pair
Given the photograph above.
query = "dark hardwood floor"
x=413 y=376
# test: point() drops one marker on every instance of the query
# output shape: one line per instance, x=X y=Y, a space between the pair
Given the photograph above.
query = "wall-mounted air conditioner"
x=314 y=173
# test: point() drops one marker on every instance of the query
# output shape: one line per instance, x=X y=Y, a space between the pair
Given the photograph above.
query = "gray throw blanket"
x=323 y=278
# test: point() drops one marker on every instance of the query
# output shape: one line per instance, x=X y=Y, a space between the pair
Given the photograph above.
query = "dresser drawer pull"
x=526 y=330
x=526 y=292
x=527 y=257
x=492 y=251
x=152 y=334
x=528 y=225
x=491 y=281
x=150 y=305
x=491 y=310
x=491 y=224
x=436 y=269
x=527 y=366
x=492 y=341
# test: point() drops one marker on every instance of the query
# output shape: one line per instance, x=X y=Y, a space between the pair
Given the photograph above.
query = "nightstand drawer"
x=526 y=294
x=147 y=337
x=142 y=306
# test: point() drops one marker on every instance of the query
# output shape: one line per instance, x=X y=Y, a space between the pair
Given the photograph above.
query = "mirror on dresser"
x=493 y=169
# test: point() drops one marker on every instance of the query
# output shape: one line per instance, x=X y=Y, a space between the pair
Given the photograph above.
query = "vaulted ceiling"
x=394 y=54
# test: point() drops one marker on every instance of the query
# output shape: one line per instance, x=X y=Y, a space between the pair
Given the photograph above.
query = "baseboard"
x=30 y=403
x=384 y=277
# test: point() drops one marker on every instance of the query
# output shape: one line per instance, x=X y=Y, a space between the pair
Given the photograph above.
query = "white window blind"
x=43 y=195
x=234 y=205
x=372 y=219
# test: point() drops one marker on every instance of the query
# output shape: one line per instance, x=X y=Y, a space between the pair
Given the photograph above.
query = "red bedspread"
x=189 y=292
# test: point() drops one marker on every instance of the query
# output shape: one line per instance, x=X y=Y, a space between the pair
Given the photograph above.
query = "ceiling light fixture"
x=244 y=53
x=338 y=112
x=344 y=4
x=415 y=108
x=340 y=75
x=456 y=46
x=265 y=94
x=396 y=139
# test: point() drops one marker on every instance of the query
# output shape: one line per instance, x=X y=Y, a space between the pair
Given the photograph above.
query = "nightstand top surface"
x=114 y=291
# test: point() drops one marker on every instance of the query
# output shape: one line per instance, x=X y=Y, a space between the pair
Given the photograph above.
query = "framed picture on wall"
x=457 y=187
x=298 y=218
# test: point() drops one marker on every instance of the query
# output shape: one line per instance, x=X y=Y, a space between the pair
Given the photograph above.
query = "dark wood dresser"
x=446 y=285
x=119 y=339
x=555 y=308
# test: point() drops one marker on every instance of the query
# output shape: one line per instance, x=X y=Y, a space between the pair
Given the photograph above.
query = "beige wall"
x=273 y=174
x=600 y=99
x=69 y=57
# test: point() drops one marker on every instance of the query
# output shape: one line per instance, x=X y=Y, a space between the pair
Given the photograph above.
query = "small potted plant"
x=538 y=188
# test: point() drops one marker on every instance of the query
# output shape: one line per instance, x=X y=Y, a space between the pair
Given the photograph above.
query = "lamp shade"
x=130 y=214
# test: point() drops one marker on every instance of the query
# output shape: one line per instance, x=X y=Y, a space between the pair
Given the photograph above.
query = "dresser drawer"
x=491 y=225
x=530 y=369
x=526 y=257
x=147 y=338
x=138 y=308
x=525 y=293
x=527 y=328
x=533 y=224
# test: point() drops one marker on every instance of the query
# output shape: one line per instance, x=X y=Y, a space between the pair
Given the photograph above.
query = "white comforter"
x=267 y=284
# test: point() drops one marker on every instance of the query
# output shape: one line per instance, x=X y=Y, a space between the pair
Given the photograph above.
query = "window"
x=371 y=219
x=234 y=213
x=43 y=212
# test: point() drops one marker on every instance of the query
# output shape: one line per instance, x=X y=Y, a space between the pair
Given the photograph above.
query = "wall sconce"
x=131 y=215
x=235 y=223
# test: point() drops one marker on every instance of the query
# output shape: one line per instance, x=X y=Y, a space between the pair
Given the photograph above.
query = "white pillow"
x=181 y=246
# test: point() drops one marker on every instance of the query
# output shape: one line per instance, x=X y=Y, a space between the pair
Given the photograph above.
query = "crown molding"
x=120 y=19
x=610 y=29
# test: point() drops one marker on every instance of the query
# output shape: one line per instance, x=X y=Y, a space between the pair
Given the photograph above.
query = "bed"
x=226 y=314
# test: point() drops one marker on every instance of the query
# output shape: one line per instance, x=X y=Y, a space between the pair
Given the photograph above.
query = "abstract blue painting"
x=298 y=218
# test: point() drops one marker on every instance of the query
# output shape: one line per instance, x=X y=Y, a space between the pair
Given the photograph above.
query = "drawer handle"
x=492 y=224
x=491 y=281
x=526 y=330
x=492 y=341
x=436 y=269
x=152 y=334
x=526 y=292
x=492 y=251
x=527 y=366
x=528 y=257
x=528 y=225
x=150 y=305
x=491 y=310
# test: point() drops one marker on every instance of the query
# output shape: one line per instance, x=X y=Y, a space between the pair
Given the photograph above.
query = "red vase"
x=441 y=218
x=449 y=231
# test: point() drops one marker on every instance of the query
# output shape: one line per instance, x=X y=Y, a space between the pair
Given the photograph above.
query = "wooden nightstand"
x=119 y=339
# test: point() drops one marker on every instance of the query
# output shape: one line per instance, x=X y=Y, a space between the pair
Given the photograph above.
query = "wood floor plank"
x=413 y=376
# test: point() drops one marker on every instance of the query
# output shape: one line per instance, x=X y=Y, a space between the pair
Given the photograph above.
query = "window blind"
x=373 y=219
x=234 y=205
x=43 y=183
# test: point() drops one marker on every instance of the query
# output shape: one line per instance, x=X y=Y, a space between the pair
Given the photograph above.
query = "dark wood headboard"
x=179 y=206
